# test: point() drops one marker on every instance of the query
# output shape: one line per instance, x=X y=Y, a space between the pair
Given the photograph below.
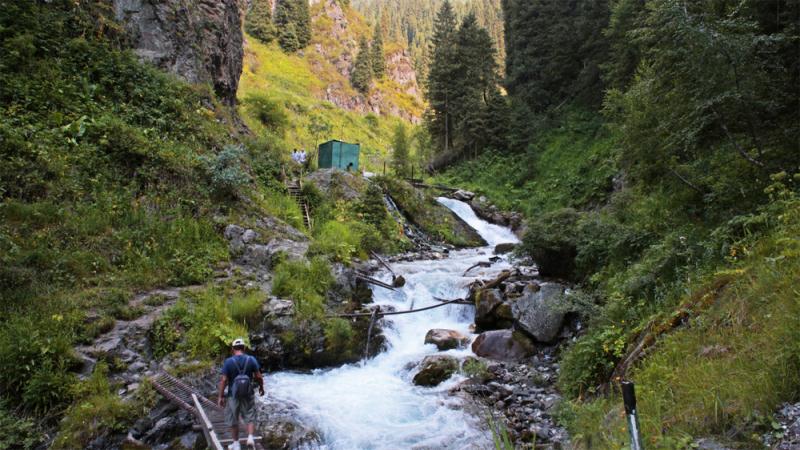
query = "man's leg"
x=232 y=417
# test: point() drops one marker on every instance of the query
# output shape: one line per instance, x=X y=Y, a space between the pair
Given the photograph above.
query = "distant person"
x=295 y=156
x=302 y=156
x=350 y=167
x=238 y=373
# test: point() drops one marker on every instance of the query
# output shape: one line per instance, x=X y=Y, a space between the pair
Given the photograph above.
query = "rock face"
x=446 y=339
x=199 y=41
x=537 y=313
x=503 y=345
x=435 y=369
x=337 y=183
x=501 y=249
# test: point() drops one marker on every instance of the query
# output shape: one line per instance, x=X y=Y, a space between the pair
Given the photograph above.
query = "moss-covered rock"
x=421 y=208
x=435 y=369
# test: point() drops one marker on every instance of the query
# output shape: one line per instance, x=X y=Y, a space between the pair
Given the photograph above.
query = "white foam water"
x=373 y=404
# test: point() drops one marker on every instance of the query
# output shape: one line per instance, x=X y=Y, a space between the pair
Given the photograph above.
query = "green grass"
x=725 y=372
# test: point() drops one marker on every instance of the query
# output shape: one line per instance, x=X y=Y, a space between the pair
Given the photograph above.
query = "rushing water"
x=373 y=404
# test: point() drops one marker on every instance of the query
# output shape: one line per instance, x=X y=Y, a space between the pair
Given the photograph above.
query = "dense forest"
x=412 y=23
x=654 y=147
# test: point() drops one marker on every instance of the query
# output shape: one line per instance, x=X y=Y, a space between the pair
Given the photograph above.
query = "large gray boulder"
x=446 y=339
x=503 y=345
x=199 y=41
x=538 y=313
x=434 y=369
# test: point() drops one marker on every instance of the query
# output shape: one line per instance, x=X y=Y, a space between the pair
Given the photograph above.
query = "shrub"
x=339 y=240
x=226 y=170
x=96 y=411
x=269 y=113
x=245 y=308
x=210 y=326
x=17 y=432
x=338 y=335
x=305 y=283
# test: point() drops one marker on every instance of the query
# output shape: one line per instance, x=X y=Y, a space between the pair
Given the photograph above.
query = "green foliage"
x=340 y=241
x=338 y=335
x=258 y=22
x=267 y=111
x=305 y=283
x=413 y=22
x=293 y=21
x=361 y=76
x=17 y=432
x=97 y=411
x=210 y=327
x=554 y=51
x=462 y=80
x=246 y=307
x=400 y=152
x=36 y=352
x=378 y=60
x=226 y=170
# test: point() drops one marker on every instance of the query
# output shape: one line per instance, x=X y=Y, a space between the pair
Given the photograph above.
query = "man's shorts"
x=244 y=408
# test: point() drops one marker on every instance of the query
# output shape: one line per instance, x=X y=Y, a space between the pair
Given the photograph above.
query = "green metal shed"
x=338 y=154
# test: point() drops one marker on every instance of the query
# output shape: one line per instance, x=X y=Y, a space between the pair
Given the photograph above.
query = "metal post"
x=384 y=168
x=629 y=398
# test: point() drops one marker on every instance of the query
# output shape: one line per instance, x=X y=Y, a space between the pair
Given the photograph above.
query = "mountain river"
x=374 y=404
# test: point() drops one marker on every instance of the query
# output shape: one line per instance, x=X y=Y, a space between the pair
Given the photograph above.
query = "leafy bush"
x=246 y=307
x=341 y=241
x=227 y=171
x=17 y=432
x=304 y=283
x=270 y=113
x=338 y=335
x=96 y=412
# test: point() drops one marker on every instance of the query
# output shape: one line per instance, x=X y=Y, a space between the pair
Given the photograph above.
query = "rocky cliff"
x=199 y=41
x=334 y=48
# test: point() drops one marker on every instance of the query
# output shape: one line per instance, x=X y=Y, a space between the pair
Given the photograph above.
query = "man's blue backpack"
x=242 y=387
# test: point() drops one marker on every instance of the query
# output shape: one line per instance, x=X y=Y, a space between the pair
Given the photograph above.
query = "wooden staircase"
x=295 y=188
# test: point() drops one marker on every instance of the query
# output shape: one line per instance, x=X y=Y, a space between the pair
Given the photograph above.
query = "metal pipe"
x=629 y=399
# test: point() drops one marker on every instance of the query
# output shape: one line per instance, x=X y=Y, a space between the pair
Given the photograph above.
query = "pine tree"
x=400 y=151
x=302 y=20
x=440 y=78
x=293 y=23
x=258 y=22
x=287 y=38
x=378 y=60
x=361 y=76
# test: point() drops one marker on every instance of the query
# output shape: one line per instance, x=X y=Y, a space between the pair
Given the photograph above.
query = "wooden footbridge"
x=209 y=415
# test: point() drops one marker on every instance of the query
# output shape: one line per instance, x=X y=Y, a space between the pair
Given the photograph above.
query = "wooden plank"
x=213 y=441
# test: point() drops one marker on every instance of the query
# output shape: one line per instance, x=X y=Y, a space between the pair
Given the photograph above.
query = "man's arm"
x=260 y=380
x=221 y=390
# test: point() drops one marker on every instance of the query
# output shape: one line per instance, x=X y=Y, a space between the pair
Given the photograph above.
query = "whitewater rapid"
x=373 y=404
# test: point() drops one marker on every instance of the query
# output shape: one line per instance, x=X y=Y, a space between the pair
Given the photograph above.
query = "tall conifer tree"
x=400 y=151
x=378 y=60
x=258 y=22
x=361 y=76
x=440 y=77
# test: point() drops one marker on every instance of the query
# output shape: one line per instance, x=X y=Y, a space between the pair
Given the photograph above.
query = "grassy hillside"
x=703 y=306
x=293 y=86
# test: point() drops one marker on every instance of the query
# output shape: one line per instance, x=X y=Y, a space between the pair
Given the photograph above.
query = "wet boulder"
x=434 y=369
x=487 y=303
x=446 y=339
x=503 y=345
x=464 y=196
x=537 y=312
x=506 y=247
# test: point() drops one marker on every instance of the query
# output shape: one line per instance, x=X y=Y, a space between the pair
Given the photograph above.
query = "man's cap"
x=238 y=342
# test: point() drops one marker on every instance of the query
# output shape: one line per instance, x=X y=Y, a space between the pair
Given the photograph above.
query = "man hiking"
x=238 y=373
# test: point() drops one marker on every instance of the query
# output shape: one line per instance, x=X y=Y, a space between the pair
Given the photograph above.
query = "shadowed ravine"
x=374 y=405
